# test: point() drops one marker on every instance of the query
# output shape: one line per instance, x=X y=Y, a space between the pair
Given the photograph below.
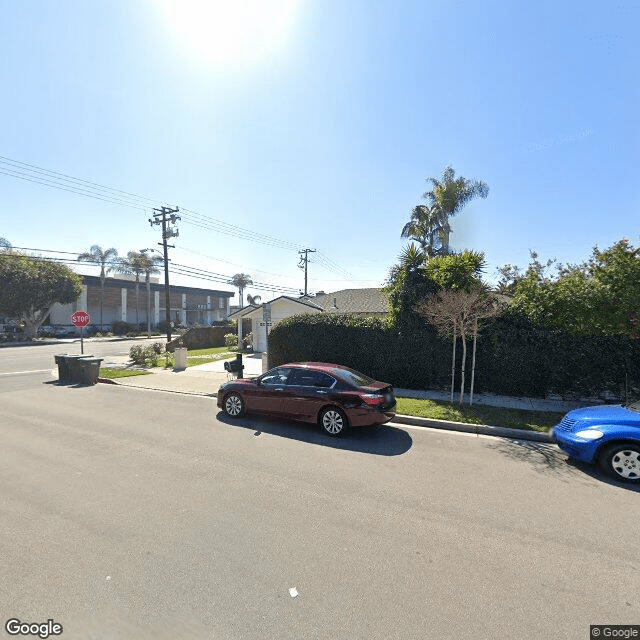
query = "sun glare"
x=233 y=31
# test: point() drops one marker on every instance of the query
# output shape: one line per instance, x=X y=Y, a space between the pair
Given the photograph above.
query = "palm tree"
x=150 y=267
x=241 y=280
x=134 y=264
x=451 y=195
x=426 y=227
x=254 y=301
x=107 y=261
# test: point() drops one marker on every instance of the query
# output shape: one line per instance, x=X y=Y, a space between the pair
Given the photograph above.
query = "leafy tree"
x=599 y=296
x=457 y=271
x=407 y=284
x=107 y=261
x=29 y=287
x=241 y=280
x=449 y=195
x=134 y=264
x=415 y=277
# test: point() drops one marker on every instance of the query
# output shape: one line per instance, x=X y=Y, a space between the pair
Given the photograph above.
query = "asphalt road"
x=132 y=514
x=39 y=357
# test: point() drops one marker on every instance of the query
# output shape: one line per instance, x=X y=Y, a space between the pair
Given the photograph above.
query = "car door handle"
x=321 y=391
x=279 y=389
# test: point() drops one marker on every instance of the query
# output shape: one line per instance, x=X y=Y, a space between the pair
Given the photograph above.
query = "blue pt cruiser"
x=608 y=435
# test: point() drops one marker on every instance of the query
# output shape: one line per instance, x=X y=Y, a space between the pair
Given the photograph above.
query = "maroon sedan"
x=330 y=395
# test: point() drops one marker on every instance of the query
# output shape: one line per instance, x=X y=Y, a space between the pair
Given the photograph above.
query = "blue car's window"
x=634 y=406
x=275 y=376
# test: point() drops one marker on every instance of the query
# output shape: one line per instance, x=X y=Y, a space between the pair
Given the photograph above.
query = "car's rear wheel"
x=333 y=421
x=622 y=461
x=234 y=405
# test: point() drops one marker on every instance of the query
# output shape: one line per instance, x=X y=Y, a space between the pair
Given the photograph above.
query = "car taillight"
x=372 y=398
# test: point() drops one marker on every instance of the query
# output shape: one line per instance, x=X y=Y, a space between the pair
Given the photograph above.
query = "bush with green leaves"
x=146 y=356
x=514 y=355
x=231 y=340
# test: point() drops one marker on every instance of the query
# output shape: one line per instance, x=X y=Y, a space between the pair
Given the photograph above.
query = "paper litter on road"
x=293 y=592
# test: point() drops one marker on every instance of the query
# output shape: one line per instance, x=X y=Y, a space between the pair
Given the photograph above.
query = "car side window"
x=275 y=377
x=307 y=378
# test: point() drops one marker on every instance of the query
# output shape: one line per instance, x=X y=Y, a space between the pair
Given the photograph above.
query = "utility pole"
x=303 y=264
x=166 y=216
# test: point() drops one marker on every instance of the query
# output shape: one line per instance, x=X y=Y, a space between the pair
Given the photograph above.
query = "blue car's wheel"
x=622 y=461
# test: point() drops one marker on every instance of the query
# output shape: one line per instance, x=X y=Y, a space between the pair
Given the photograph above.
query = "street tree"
x=107 y=260
x=459 y=312
x=241 y=281
x=449 y=195
x=134 y=264
x=29 y=287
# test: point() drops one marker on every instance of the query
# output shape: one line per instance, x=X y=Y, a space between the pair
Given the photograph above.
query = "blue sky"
x=317 y=123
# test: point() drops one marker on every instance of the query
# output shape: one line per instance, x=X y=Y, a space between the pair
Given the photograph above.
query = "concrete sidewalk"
x=204 y=380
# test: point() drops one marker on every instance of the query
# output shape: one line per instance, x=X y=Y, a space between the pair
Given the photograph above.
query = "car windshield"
x=353 y=377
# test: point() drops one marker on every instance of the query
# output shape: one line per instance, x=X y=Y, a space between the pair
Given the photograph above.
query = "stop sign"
x=80 y=319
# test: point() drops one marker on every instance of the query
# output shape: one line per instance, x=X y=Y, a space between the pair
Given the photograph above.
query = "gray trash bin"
x=68 y=369
x=89 y=370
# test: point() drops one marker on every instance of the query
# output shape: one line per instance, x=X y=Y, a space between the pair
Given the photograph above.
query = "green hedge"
x=514 y=356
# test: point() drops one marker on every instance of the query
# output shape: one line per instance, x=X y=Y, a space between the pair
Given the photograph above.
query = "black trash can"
x=68 y=371
x=235 y=366
x=89 y=370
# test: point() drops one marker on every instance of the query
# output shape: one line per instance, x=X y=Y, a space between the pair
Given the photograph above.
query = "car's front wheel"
x=333 y=421
x=234 y=405
x=622 y=461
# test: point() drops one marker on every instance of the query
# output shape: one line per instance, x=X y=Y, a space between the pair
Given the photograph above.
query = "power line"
x=87 y=188
x=177 y=269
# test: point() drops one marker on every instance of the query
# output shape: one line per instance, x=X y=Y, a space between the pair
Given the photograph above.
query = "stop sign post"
x=81 y=319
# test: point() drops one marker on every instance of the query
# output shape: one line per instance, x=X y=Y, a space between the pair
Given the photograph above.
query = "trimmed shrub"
x=514 y=356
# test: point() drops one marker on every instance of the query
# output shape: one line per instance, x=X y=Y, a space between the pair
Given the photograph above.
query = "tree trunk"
x=453 y=359
x=101 y=303
x=137 y=315
x=464 y=361
x=473 y=360
x=148 y=307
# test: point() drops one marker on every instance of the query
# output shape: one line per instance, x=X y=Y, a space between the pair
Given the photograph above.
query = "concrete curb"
x=484 y=429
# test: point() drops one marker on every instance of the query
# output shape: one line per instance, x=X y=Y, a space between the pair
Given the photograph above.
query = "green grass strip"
x=540 y=421
x=121 y=373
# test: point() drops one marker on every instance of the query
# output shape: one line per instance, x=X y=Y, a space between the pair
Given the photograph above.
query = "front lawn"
x=121 y=373
x=540 y=421
x=203 y=356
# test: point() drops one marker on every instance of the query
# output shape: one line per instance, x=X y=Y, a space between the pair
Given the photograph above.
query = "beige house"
x=366 y=302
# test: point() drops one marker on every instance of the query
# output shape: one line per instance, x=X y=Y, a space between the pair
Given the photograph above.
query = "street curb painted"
x=484 y=429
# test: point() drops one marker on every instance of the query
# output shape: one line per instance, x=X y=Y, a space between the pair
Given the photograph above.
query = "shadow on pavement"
x=382 y=440
x=550 y=460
